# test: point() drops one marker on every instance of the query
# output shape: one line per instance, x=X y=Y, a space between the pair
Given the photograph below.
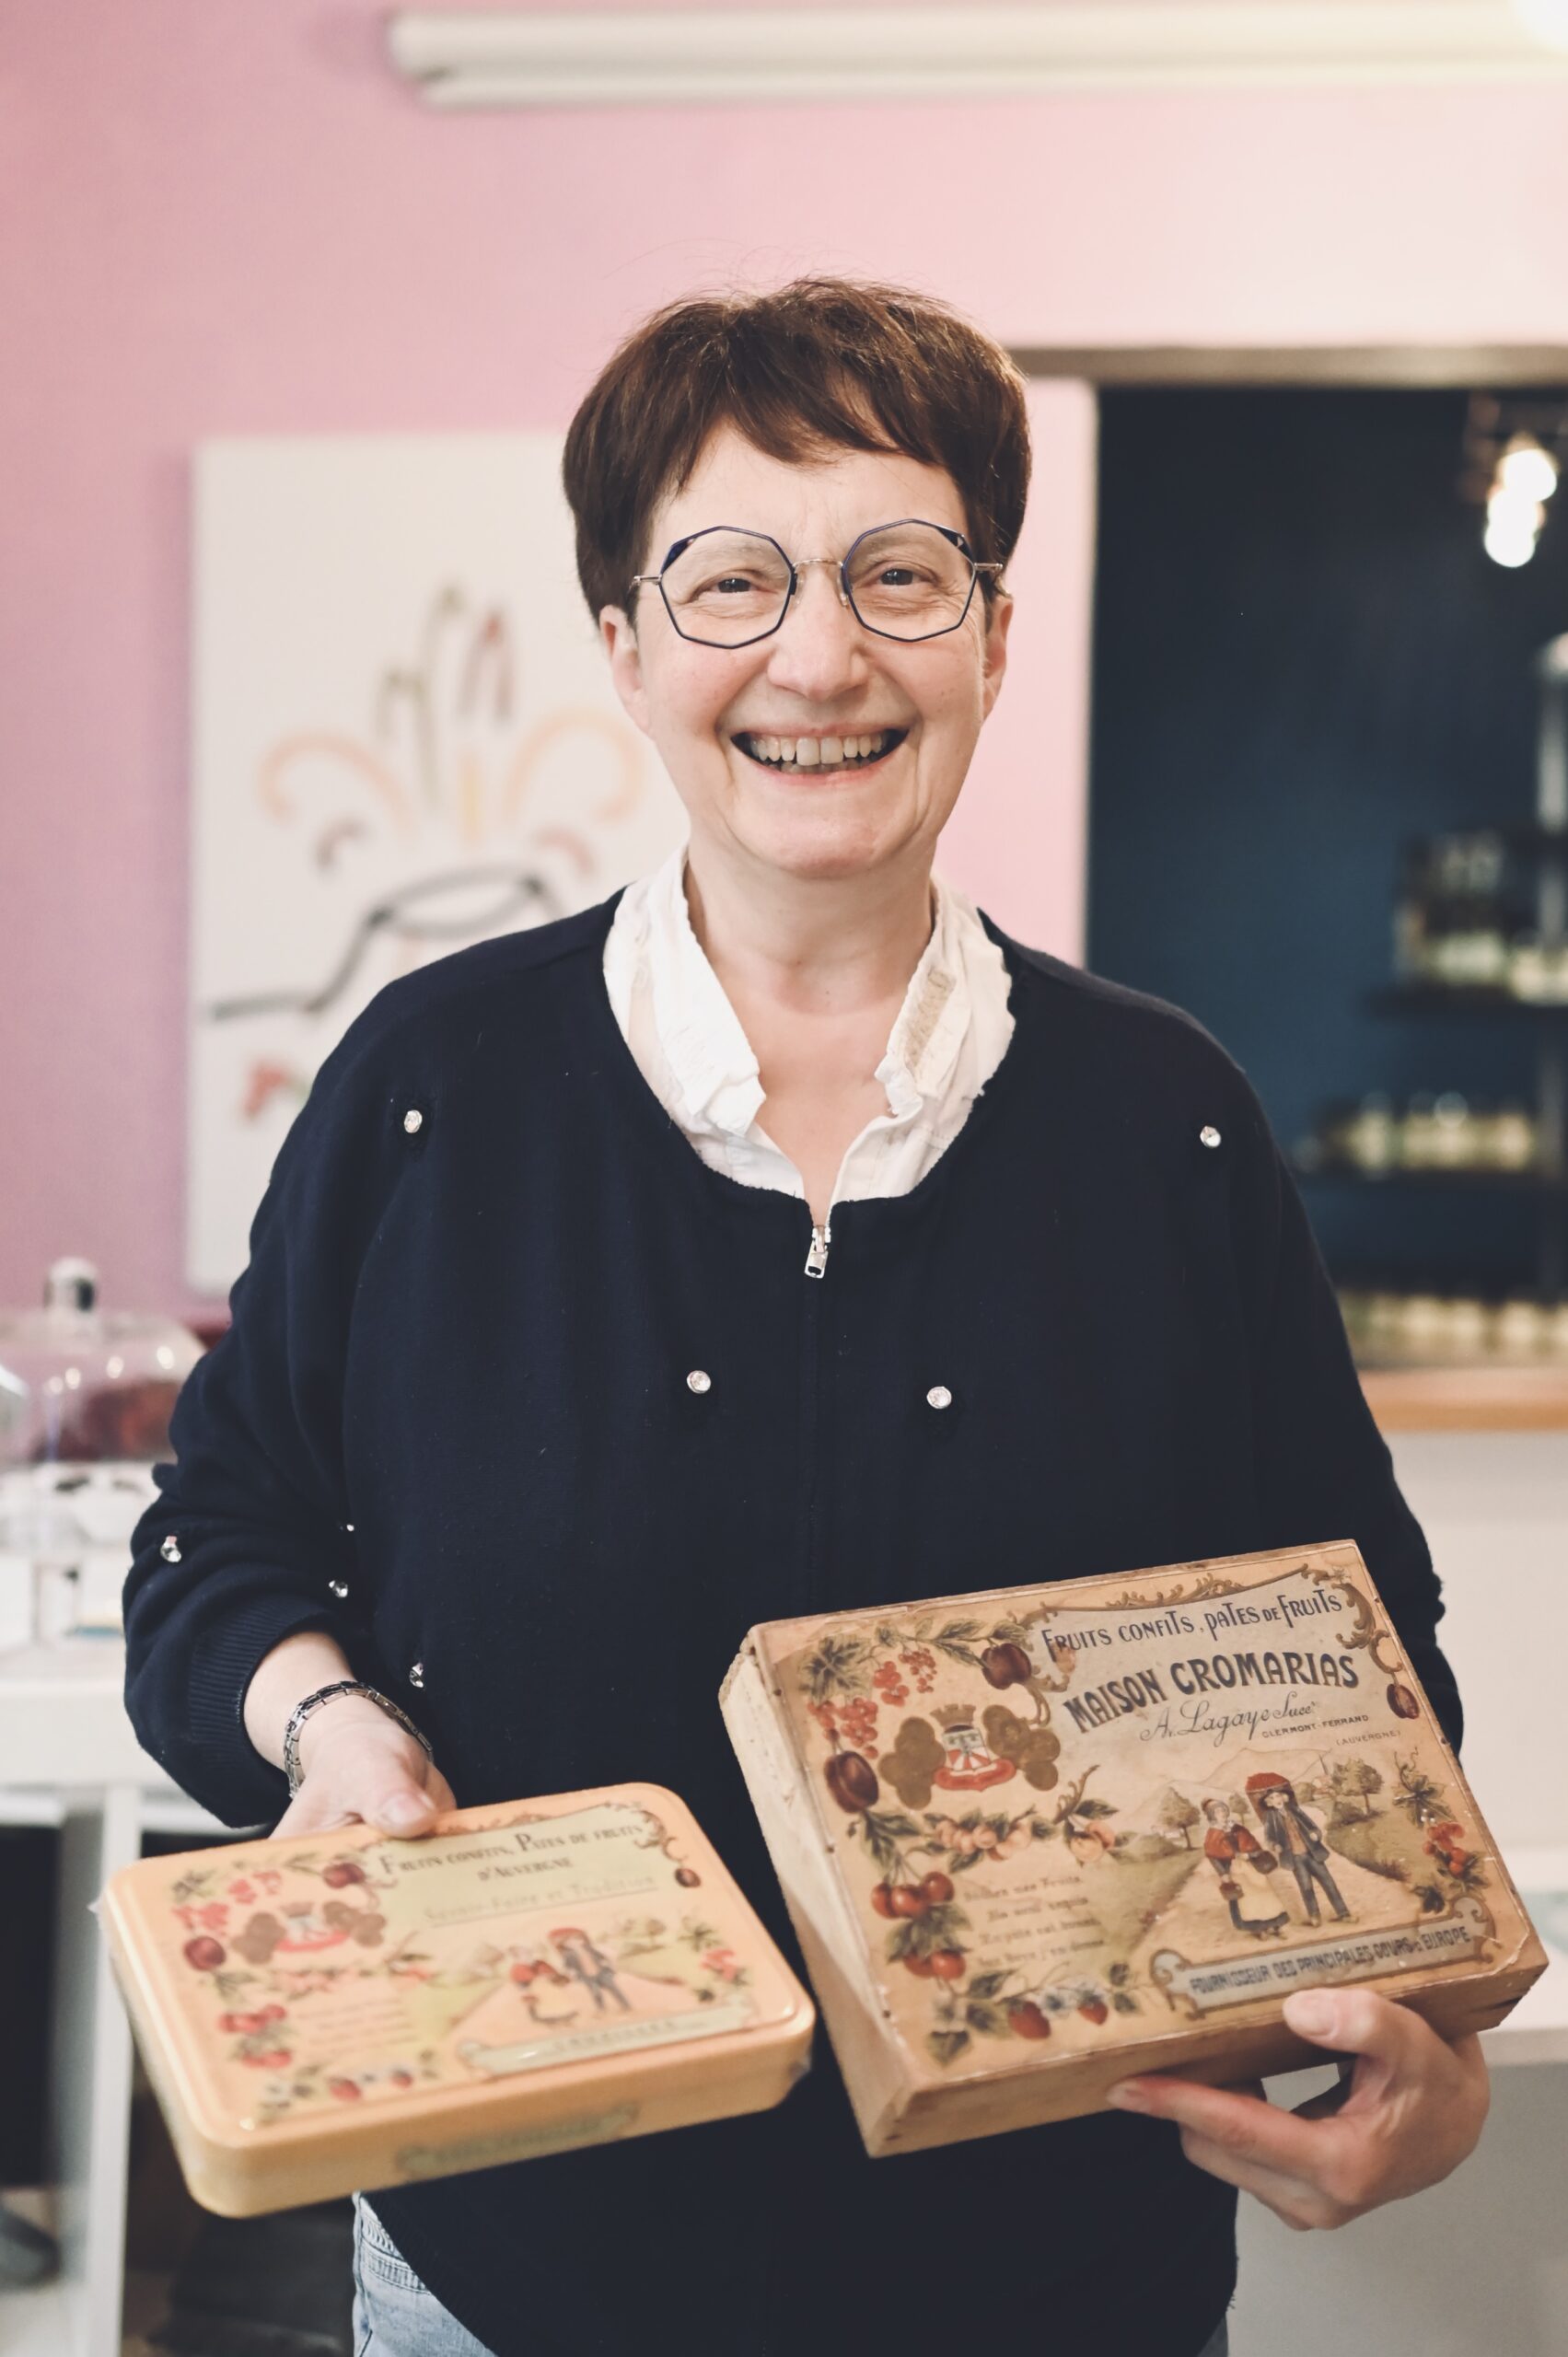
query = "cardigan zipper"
x=811 y=1407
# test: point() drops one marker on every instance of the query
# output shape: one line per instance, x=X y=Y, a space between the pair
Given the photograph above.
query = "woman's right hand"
x=358 y=1765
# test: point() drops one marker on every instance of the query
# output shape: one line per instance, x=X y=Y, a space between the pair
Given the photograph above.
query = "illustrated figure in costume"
x=1223 y=1844
x=1291 y=1833
x=590 y=1965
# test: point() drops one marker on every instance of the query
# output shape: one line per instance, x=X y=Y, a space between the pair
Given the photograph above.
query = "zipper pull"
x=817 y=1259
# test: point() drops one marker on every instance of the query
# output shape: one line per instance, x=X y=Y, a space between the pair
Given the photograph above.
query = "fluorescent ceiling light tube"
x=683 y=57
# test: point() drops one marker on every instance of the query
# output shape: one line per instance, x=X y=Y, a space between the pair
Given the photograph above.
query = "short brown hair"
x=818 y=363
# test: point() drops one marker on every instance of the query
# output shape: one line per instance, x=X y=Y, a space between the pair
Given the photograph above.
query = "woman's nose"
x=819 y=649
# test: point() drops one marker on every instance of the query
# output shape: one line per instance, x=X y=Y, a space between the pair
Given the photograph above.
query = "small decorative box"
x=339 y=2011
x=1036 y=1839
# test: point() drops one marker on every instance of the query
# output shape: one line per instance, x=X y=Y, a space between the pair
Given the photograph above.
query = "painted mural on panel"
x=406 y=740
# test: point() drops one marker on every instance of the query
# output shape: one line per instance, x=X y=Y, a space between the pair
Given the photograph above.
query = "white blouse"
x=951 y=1033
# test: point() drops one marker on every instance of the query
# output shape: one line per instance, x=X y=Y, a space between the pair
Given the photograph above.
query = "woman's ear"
x=995 y=654
x=618 y=634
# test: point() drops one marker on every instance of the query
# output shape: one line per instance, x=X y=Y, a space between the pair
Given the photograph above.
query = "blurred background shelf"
x=1524 y=1182
x=1444 y=999
x=1466 y=1399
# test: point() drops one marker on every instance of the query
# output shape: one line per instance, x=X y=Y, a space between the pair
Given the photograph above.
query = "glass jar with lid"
x=86 y=1396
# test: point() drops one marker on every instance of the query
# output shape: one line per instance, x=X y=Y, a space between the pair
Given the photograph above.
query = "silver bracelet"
x=313 y=1702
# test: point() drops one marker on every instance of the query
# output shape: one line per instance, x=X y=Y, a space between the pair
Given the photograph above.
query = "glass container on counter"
x=86 y=1396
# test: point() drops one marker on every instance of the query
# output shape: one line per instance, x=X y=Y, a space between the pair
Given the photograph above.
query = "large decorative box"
x=328 y=2012
x=1036 y=1839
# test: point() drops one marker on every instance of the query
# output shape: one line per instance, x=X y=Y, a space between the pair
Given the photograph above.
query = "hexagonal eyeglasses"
x=728 y=587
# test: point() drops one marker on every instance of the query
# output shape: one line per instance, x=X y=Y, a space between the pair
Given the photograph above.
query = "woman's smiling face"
x=821 y=677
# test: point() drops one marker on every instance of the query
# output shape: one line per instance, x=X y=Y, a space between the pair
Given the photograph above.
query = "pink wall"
x=231 y=218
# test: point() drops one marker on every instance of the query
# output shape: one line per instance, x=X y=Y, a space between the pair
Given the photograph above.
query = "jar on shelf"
x=1521 y=1329
x=1371 y=1134
x=1383 y=1314
x=1474 y=959
x=1468 y=1327
x=1506 y=1138
x=1435 y=1132
x=1422 y=1323
x=1537 y=972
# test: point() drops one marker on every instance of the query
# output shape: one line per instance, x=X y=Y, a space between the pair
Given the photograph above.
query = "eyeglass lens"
x=904 y=581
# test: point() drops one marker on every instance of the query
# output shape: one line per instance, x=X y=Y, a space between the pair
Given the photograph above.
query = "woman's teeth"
x=817 y=752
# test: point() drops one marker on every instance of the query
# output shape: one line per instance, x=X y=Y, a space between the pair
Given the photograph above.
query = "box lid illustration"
x=336 y=2011
x=1035 y=1839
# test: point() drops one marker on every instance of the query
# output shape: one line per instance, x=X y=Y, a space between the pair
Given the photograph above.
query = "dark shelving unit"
x=1546 y=1184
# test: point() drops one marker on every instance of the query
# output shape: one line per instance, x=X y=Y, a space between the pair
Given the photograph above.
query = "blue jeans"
x=394 y=2315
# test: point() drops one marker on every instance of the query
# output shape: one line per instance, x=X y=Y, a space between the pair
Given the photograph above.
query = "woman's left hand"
x=1411 y=2110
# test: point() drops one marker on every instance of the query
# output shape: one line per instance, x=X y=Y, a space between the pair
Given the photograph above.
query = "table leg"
x=90 y=2070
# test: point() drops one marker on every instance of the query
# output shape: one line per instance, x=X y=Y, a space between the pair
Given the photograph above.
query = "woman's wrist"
x=329 y=1718
x=295 y=1666
x=312 y=1707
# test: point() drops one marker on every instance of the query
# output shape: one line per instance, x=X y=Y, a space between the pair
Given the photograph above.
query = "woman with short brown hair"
x=778 y=1238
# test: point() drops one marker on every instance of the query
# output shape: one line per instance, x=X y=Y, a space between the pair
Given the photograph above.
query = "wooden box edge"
x=867 y=2056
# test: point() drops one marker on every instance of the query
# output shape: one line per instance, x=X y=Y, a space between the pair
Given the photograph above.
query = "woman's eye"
x=733 y=584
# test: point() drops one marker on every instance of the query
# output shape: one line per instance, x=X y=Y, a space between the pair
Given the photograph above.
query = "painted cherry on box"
x=852 y=1779
x=1005 y=1665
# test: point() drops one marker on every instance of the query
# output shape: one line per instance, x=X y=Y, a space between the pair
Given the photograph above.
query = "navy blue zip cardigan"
x=456 y=1386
